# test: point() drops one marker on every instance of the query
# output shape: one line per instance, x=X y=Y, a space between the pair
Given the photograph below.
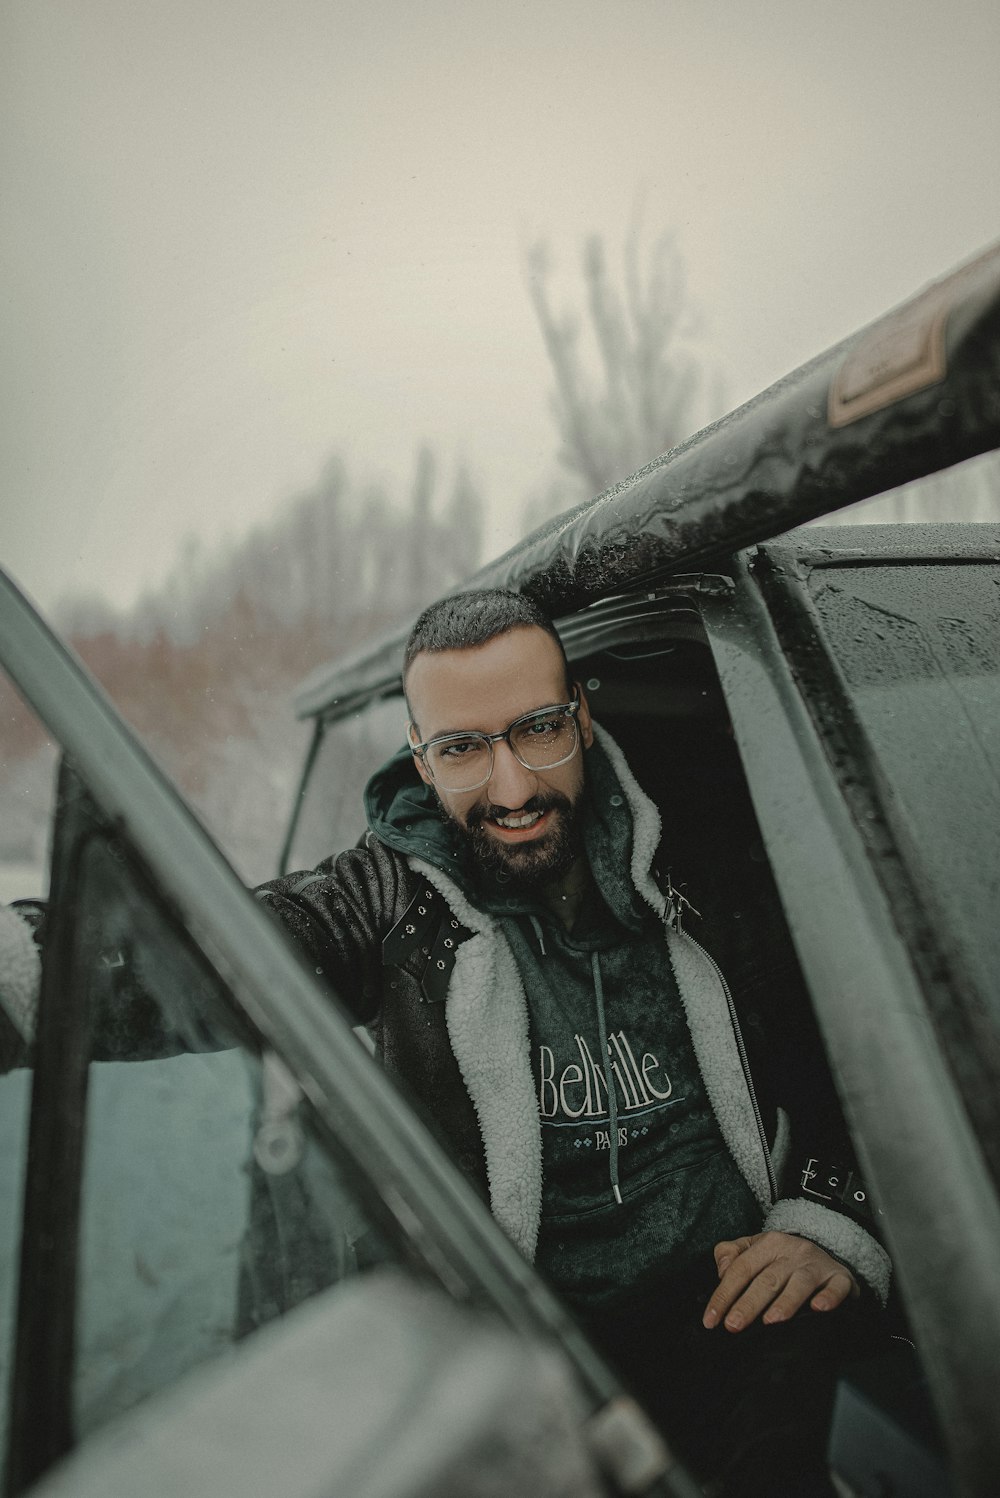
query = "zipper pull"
x=538 y=933
x=676 y=903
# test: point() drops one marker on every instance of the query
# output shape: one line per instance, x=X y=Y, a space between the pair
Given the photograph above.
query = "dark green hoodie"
x=637 y=1181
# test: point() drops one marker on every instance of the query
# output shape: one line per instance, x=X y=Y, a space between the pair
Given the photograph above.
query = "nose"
x=510 y=784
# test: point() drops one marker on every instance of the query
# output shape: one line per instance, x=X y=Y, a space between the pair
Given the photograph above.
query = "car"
x=244 y=1264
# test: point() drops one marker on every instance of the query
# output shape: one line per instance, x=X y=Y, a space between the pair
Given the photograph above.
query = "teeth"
x=528 y=820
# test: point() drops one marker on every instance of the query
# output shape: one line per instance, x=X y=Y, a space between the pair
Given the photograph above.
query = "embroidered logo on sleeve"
x=830 y=1183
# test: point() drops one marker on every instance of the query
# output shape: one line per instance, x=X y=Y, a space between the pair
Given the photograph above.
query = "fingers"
x=728 y=1250
x=800 y=1288
x=828 y=1299
x=735 y=1281
x=774 y=1275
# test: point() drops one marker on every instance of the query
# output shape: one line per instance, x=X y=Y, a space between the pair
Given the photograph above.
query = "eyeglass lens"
x=466 y=760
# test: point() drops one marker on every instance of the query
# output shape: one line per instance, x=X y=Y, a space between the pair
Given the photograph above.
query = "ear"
x=411 y=739
x=583 y=717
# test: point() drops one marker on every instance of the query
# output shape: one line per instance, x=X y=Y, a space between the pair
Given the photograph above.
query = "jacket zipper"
x=740 y=1046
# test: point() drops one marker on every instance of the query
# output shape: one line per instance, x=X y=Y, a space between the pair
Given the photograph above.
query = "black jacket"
x=432 y=978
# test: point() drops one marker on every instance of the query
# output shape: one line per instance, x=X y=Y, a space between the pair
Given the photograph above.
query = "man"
x=523 y=968
x=504 y=933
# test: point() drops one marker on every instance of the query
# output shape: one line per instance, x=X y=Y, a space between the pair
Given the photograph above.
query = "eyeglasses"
x=539 y=741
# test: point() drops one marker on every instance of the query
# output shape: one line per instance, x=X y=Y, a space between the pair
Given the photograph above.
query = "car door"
x=210 y=1147
x=862 y=677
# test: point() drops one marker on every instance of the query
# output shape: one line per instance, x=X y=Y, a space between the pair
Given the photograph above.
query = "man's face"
x=485 y=688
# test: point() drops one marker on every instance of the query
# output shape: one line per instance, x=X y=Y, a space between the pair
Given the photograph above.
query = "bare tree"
x=464 y=518
x=639 y=396
x=421 y=525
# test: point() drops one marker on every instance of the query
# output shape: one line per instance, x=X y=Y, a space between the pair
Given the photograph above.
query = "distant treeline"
x=204 y=668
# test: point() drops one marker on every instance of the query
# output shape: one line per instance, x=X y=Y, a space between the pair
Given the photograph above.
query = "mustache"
x=489 y=811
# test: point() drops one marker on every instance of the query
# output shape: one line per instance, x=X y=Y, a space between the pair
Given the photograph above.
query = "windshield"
x=332 y=815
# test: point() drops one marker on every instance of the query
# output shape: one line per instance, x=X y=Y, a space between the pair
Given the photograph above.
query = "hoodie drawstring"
x=605 y=1052
x=612 y=1095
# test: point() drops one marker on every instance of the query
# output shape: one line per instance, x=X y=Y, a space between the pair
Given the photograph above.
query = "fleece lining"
x=487 y=1018
x=702 y=994
x=839 y=1235
x=707 y=1011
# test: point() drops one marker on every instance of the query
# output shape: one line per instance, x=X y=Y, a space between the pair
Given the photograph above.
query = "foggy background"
x=306 y=307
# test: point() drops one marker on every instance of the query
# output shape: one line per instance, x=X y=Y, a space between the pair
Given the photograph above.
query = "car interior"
x=663 y=703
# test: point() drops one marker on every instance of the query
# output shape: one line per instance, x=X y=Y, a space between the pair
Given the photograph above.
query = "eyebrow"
x=446 y=733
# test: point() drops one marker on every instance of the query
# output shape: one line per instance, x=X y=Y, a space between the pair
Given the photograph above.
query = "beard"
x=530 y=864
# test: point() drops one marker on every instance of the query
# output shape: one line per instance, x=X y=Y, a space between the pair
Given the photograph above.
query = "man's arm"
x=823 y=1221
x=337 y=915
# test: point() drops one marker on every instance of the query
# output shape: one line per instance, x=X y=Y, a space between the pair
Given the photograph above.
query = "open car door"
x=210 y=1150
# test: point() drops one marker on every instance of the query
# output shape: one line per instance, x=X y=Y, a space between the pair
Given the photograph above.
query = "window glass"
x=186 y=1243
x=353 y=748
x=27 y=792
x=919 y=646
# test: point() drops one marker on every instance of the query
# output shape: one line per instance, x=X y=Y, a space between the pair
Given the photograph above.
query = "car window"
x=207 y=1206
x=919 y=647
x=331 y=817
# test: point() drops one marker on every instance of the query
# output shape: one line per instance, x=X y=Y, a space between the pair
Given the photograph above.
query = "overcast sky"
x=240 y=236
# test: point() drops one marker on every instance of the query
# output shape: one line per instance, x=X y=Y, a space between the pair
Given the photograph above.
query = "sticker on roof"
x=905 y=351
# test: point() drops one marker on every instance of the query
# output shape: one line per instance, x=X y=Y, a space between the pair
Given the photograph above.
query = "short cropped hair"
x=475 y=618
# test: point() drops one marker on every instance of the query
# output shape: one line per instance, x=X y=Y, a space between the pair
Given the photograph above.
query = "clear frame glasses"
x=540 y=740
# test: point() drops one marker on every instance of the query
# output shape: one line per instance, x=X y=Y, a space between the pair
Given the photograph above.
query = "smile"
x=519 y=826
x=526 y=819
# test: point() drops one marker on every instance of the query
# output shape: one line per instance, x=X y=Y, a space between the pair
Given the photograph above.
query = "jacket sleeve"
x=822 y=1193
x=339 y=914
x=818 y=1215
x=336 y=914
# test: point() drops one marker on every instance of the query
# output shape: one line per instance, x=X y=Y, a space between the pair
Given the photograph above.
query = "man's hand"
x=775 y=1273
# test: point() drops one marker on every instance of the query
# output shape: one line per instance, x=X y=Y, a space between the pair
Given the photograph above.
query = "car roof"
x=911 y=393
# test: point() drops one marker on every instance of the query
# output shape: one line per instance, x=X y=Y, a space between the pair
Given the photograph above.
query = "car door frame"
x=916 y=1142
